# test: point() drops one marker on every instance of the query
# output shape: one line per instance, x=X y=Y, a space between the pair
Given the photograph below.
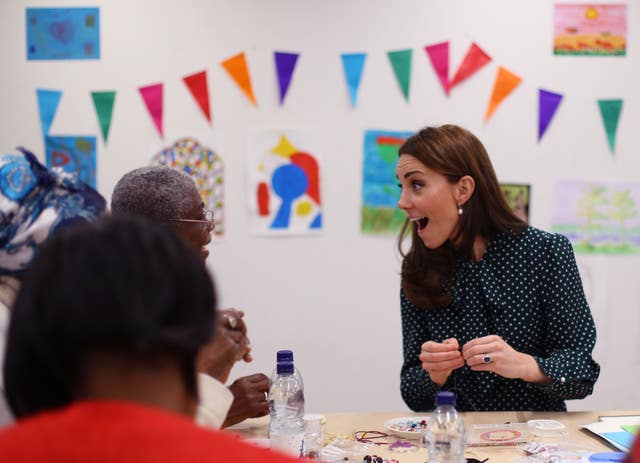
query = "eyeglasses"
x=208 y=218
x=371 y=436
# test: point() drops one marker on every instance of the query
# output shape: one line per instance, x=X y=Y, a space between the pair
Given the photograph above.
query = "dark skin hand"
x=229 y=345
x=249 y=399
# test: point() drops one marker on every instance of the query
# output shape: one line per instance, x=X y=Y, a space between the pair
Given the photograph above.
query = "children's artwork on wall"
x=74 y=154
x=63 y=33
x=598 y=217
x=206 y=168
x=588 y=29
x=284 y=183
x=518 y=196
x=380 y=192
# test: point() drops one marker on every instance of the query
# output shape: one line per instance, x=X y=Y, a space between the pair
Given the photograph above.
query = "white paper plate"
x=403 y=426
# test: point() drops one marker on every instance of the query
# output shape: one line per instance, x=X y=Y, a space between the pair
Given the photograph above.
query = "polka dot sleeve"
x=417 y=389
x=571 y=333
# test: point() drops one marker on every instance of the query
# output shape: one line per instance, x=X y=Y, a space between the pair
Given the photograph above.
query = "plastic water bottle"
x=445 y=436
x=286 y=407
x=285 y=356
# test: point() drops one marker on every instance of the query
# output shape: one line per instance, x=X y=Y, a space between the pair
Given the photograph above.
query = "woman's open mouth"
x=422 y=222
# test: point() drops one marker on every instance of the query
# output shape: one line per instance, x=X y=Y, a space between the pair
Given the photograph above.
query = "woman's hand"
x=492 y=353
x=439 y=359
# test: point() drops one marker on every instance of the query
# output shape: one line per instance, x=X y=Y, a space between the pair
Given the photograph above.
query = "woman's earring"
x=460 y=210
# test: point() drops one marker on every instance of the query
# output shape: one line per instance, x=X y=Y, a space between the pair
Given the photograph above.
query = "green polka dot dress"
x=527 y=290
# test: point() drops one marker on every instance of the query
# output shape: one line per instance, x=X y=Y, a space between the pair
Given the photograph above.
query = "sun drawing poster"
x=207 y=170
x=380 y=193
x=590 y=29
x=284 y=183
x=598 y=217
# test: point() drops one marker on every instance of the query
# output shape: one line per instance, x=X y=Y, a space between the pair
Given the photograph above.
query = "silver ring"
x=233 y=322
x=486 y=358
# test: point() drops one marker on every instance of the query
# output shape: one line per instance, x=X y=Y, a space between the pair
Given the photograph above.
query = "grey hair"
x=156 y=192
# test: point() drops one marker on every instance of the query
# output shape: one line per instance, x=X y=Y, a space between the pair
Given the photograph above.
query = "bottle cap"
x=445 y=398
x=284 y=367
x=284 y=356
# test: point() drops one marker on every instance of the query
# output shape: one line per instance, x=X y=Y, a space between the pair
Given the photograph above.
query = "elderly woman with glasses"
x=170 y=197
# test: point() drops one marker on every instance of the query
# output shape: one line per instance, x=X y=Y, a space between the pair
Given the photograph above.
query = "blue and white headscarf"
x=34 y=203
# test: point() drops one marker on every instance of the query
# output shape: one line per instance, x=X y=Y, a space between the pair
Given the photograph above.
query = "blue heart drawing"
x=62 y=31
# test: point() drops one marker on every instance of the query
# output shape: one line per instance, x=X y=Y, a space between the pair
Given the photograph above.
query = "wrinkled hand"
x=229 y=344
x=439 y=359
x=505 y=360
x=249 y=399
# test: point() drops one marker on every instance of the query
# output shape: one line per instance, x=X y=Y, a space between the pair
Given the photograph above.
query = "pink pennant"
x=152 y=96
x=439 y=56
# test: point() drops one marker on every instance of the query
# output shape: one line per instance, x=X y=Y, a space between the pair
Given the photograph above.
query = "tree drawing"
x=622 y=208
x=590 y=206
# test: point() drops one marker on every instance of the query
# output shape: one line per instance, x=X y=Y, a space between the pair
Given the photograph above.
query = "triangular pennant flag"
x=152 y=96
x=353 y=65
x=439 y=56
x=285 y=64
x=401 y=63
x=475 y=59
x=506 y=82
x=610 y=111
x=197 y=84
x=548 y=103
x=47 y=105
x=237 y=68
x=103 y=102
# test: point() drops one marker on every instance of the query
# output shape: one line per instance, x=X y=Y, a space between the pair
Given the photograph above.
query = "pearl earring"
x=460 y=210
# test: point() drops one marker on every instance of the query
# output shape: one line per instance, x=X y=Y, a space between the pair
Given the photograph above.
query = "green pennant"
x=401 y=62
x=610 y=111
x=103 y=101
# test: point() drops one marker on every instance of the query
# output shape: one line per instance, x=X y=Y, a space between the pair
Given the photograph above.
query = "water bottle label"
x=288 y=443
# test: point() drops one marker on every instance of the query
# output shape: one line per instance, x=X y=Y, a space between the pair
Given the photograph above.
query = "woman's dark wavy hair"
x=119 y=285
x=453 y=152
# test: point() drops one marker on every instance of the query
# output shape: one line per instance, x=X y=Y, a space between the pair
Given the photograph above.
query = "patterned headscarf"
x=36 y=202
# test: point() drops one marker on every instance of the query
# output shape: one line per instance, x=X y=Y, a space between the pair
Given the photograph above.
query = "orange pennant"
x=237 y=68
x=506 y=82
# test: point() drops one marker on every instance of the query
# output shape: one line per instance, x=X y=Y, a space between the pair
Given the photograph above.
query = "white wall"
x=333 y=299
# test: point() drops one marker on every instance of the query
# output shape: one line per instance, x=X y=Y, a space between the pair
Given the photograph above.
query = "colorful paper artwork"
x=73 y=154
x=518 y=195
x=598 y=217
x=63 y=33
x=206 y=168
x=590 y=29
x=380 y=193
x=284 y=184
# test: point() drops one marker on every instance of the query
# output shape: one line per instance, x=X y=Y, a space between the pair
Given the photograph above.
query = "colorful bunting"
x=152 y=96
x=473 y=61
x=506 y=82
x=548 y=103
x=285 y=64
x=610 y=111
x=197 y=84
x=47 y=105
x=401 y=63
x=353 y=65
x=237 y=68
x=103 y=102
x=439 y=56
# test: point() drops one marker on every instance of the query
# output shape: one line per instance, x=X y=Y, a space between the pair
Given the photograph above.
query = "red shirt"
x=112 y=431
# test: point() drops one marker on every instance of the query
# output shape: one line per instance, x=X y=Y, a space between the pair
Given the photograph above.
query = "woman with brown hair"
x=491 y=308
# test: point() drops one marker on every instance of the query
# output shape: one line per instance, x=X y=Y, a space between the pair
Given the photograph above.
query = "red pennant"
x=198 y=87
x=475 y=59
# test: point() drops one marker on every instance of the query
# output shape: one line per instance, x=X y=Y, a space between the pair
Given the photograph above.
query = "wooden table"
x=348 y=423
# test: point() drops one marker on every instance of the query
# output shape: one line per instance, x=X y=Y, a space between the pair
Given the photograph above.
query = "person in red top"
x=101 y=351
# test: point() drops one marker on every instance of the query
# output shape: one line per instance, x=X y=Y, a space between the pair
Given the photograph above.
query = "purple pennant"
x=548 y=103
x=285 y=64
